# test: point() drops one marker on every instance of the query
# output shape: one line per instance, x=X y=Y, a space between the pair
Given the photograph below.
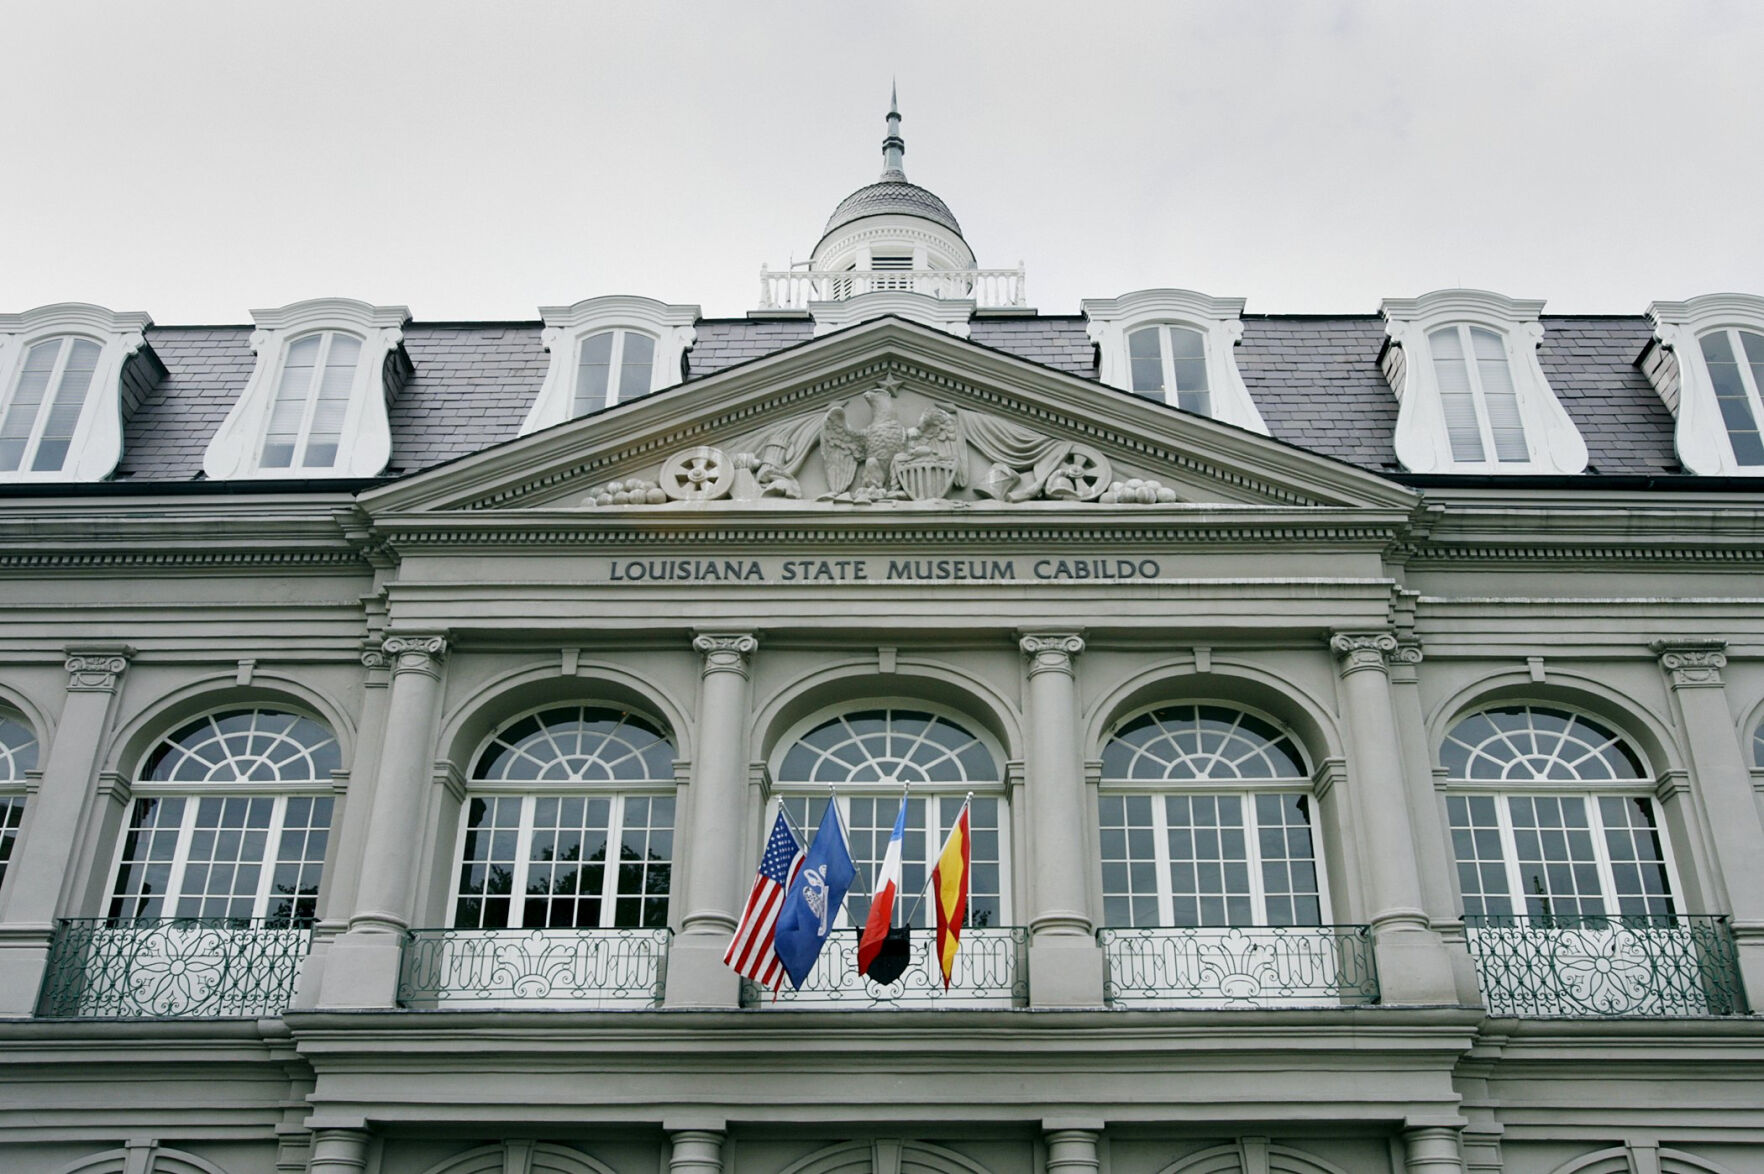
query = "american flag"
x=750 y=953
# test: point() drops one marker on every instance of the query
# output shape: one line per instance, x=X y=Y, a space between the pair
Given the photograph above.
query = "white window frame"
x=117 y=386
x=529 y=793
x=947 y=796
x=1220 y=323
x=365 y=445
x=1679 y=373
x=567 y=327
x=279 y=792
x=1422 y=442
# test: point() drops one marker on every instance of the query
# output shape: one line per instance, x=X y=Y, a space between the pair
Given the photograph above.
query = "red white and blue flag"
x=751 y=952
x=882 y=901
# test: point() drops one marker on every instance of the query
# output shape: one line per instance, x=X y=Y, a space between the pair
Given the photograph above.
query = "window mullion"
x=1742 y=363
x=174 y=881
x=1510 y=854
x=1167 y=356
x=309 y=407
x=1478 y=402
x=1252 y=855
x=266 y=865
x=609 y=874
x=44 y=406
x=1161 y=854
x=1595 y=820
x=615 y=376
x=517 y=885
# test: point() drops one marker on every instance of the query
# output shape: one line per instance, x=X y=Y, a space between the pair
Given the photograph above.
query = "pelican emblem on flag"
x=814 y=891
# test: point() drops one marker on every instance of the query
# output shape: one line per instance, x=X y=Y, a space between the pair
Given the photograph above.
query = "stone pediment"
x=887 y=416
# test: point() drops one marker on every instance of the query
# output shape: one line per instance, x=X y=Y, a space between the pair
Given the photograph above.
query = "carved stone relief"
x=884 y=445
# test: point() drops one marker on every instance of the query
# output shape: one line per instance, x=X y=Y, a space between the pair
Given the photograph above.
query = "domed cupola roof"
x=892 y=195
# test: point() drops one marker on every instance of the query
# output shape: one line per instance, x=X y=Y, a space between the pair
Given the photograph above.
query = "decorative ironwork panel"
x=1604 y=966
x=1243 y=966
x=172 y=968
x=989 y=972
x=479 y=969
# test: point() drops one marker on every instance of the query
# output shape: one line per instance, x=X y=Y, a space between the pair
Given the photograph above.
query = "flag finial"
x=893 y=146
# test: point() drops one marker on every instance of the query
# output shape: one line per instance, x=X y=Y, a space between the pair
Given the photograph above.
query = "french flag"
x=882 y=903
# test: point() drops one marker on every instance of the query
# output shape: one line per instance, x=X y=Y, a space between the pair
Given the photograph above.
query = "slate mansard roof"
x=1315 y=379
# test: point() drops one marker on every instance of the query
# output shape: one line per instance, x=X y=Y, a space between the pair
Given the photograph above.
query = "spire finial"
x=893 y=147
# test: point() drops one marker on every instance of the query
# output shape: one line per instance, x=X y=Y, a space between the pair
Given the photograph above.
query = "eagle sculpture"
x=863 y=463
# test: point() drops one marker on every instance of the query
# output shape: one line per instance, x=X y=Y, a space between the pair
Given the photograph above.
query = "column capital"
x=1692 y=664
x=414 y=653
x=725 y=652
x=1355 y=651
x=96 y=668
x=1050 y=652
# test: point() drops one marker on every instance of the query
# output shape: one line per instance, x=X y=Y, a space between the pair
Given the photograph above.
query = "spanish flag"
x=949 y=889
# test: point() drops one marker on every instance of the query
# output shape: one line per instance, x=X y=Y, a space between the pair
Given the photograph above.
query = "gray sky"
x=476 y=161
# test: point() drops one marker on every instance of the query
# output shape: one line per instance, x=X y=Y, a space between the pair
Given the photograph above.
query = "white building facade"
x=1363 y=720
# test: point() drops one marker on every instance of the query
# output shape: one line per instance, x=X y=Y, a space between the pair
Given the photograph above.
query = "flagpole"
x=919 y=897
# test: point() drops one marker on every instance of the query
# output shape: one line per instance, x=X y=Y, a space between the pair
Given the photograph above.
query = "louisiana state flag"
x=949 y=891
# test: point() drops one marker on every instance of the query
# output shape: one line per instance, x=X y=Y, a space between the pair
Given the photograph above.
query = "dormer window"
x=1169 y=363
x=1177 y=347
x=630 y=353
x=1472 y=397
x=70 y=375
x=315 y=405
x=313 y=397
x=605 y=351
x=1707 y=363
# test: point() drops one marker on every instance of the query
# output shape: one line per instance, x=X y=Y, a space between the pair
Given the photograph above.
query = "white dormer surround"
x=1472 y=396
x=1708 y=367
x=949 y=315
x=71 y=374
x=315 y=405
x=608 y=349
x=1175 y=346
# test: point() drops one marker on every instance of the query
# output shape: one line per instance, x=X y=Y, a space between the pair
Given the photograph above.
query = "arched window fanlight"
x=1182 y=743
x=578 y=743
x=1530 y=743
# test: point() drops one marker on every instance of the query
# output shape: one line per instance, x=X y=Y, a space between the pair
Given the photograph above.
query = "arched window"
x=1552 y=814
x=613 y=366
x=45 y=403
x=867 y=755
x=231 y=818
x=1205 y=816
x=1736 y=369
x=312 y=399
x=18 y=754
x=1477 y=395
x=570 y=823
x=1169 y=363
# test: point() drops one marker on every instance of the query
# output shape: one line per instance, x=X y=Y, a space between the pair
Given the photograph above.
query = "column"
x=1072 y=1151
x=696 y=1151
x=1724 y=786
x=338 y=1151
x=40 y=872
x=1432 y=1149
x=712 y=852
x=1413 y=965
x=361 y=969
x=1065 y=962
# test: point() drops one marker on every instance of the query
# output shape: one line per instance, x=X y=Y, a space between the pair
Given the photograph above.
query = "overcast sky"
x=477 y=161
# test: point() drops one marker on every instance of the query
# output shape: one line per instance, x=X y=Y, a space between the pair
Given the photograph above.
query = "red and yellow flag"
x=949 y=889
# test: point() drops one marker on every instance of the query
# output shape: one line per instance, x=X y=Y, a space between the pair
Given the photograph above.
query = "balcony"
x=1641 y=966
x=989 y=973
x=1239 y=967
x=104 y=968
x=794 y=289
x=577 y=969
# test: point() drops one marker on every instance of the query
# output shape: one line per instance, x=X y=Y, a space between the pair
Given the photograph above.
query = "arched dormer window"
x=70 y=376
x=18 y=756
x=1206 y=819
x=569 y=824
x=1472 y=397
x=231 y=819
x=1177 y=347
x=1707 y=363
x=315 y=405
x=607 y=350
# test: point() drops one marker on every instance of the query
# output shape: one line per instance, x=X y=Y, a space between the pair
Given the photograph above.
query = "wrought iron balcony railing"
x=483 y=969
x=794 y=289
x=182 y=967
x=989 y=972
x=1650 y=966
x=1239 y=967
